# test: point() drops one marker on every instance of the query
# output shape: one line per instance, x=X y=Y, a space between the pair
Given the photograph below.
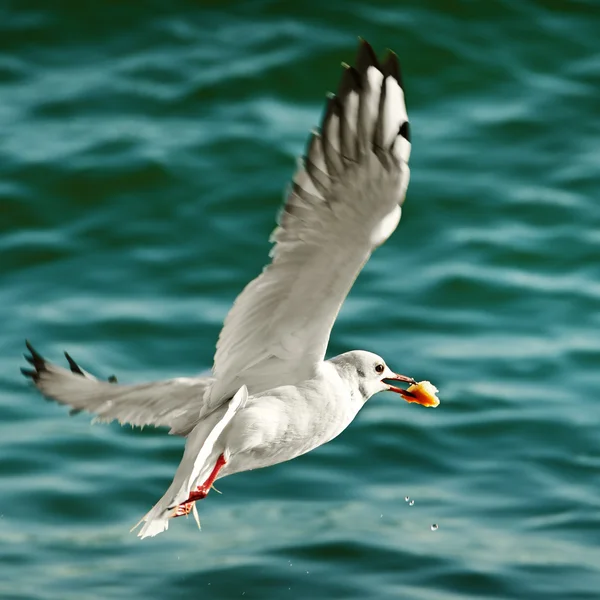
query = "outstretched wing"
x=175 y=403
x=344 y=202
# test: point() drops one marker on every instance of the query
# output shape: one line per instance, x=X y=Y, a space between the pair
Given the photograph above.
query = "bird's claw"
x=183 y=510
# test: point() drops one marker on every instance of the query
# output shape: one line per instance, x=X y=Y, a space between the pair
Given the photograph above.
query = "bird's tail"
x=201 y=452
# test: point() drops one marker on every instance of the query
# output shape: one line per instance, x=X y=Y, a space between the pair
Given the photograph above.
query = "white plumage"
x=272 y=396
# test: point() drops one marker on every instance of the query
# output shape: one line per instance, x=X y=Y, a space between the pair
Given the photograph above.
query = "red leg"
x=201 y=491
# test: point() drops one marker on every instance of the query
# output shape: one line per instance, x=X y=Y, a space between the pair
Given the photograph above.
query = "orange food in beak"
x=423 y=393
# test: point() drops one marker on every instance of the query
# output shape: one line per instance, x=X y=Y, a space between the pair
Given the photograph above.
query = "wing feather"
x=344 y=201
x=175 y=403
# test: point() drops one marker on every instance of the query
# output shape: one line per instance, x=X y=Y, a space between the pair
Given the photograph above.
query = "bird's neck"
x=353 y=394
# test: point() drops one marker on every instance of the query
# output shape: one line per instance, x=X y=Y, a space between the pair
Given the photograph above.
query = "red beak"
x=396 y=377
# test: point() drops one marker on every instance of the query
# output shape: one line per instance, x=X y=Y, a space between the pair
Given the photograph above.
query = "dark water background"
x=144 y=148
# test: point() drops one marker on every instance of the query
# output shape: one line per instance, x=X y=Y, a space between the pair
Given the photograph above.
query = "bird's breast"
x=277 y=427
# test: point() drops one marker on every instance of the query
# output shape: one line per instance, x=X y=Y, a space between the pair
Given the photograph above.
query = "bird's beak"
x=392 y=388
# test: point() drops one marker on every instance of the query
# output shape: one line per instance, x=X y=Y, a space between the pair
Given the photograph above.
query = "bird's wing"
x=344 y=201
x=175 y=403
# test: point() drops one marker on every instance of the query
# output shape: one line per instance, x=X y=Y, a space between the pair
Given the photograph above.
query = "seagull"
x=272 y=396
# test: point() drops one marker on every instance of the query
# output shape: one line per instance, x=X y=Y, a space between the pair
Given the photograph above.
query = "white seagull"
x=272 y=395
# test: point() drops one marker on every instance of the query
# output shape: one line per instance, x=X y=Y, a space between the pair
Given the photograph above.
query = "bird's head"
x=369 y=373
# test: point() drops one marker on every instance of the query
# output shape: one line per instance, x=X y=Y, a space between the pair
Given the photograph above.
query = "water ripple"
x=143 y=159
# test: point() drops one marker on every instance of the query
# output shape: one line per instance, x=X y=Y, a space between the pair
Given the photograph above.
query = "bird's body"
x=274 y=426
x=272 y=395
x=288 y=421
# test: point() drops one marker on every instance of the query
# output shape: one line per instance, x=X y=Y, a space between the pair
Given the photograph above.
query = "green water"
x=144 y=148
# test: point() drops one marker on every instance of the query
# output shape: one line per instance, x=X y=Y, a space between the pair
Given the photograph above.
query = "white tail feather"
x=201 y=452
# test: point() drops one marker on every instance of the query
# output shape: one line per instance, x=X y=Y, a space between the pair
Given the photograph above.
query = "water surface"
x=143 y=155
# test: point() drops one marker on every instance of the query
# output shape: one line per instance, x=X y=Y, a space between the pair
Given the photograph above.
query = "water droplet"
x=406 y=498
x=381 y=516
x=434 y=527
x=411 y=502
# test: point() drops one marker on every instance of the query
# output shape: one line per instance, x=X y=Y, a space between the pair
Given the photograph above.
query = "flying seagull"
x=272 y=395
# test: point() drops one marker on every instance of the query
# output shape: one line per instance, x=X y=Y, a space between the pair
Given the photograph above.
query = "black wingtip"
x=332 y=108
x=365 y=57
x=36 y=357
x=391 y=67
x=30 y=373
x=350 y=82
x=75 y=368
x=405 y=131
x=36 y=360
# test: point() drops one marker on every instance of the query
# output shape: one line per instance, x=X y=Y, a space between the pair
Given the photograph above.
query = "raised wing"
x=344 y=201
x=175 y=403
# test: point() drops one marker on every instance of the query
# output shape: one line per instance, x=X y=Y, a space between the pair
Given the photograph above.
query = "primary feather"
x=344 y=201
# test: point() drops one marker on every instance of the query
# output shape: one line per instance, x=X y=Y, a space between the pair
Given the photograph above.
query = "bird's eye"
x=379 y=368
